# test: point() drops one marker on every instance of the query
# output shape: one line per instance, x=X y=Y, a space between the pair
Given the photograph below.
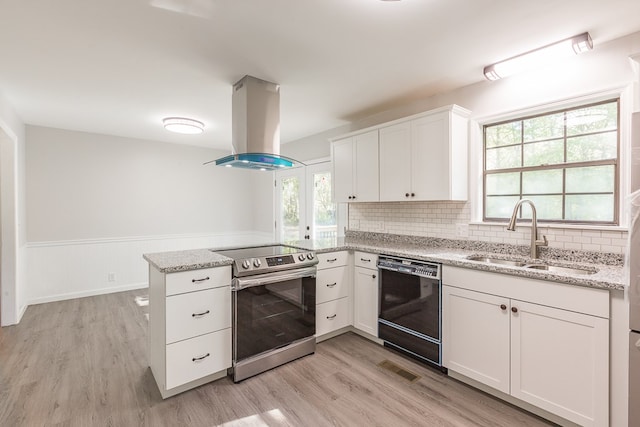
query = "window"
x=566 y=162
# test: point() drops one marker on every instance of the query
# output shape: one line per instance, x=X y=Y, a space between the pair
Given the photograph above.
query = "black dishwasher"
x=409 y=319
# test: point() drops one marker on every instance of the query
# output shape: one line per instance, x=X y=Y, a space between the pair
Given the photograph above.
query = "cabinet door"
x=395 y=162
x=365 y=309
x=430 y=171
x=366 y=188
x=342 y=158
x=475 y=336
x=560 y=362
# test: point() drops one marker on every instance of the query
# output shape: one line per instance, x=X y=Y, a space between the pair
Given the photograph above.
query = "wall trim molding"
x=104 y=240
x=83 y=294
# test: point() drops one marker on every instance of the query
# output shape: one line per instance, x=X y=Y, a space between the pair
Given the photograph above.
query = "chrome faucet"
x=535 y=242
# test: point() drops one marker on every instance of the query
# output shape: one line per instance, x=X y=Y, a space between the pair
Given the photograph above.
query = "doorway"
x=304 y=204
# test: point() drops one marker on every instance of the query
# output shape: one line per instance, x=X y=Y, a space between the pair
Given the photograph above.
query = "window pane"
x=500 y=206
x=592 y=147
x=542 y=182
x=593 y=207
x=592 y=119
x=544 y=153
x=544 y=127
x=547 y=207
x=506 y=134
x=324 y=210
x=503 y=183
x=593 y=179
x=503 y=158
x=290 y=208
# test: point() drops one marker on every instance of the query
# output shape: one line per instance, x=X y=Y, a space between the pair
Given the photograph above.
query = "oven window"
x=274 y=315
x=412 y=302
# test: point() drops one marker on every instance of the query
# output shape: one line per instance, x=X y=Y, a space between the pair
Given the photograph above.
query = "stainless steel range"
x=274 y=300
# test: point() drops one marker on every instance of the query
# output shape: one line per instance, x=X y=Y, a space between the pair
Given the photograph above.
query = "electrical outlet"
x=111 y=277
x=462 y=230
x=379 y=226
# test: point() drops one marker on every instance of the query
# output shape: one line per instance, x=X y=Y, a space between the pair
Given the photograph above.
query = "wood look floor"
x=83 y=363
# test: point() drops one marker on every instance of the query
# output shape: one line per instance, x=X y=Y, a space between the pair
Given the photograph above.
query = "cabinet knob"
x=406 y=194
x=413 y=194
x=514 y=309
x=354 y=197
x=350 y=197
x=373 y=276
x=503 y=307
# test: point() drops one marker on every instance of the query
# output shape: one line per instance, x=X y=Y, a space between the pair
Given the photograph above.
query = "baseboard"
x=83 y=294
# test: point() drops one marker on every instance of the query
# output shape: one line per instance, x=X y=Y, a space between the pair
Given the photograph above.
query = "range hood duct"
x=256 y=127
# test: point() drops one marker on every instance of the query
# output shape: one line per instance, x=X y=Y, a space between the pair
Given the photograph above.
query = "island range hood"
x=256 y=127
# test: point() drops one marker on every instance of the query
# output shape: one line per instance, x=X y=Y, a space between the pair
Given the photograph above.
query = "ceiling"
x=119 y=66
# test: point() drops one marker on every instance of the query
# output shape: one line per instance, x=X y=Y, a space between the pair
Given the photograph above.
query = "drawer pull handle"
x=197 y=359
x=331 y=285
x=331 y=317
x=201 y=314
x=365 y=260
x=199 y=280
x=332 y=260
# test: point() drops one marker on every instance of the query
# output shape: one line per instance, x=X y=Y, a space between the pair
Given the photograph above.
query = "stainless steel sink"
x=497 y=261
x=532 y=265
x=557 y=269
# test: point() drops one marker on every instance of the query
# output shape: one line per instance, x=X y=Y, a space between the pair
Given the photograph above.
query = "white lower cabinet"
x=189 y=327
x=365 y=293
x=333 y=292
x=555 y=358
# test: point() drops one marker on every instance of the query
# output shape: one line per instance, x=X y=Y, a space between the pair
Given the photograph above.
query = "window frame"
x=616 y=163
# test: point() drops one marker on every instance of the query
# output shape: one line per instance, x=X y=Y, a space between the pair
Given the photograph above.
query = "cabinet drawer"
x=332 y=283
x=196 y=280
x=198 y=313
x=333 y=315
x=332 y=259
x=198 y=357
x=366 y=260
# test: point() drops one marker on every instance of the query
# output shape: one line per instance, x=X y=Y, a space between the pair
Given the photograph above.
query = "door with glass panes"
x=305 y=209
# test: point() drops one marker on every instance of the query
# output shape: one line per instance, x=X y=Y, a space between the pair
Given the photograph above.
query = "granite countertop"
x=609 y=275
x=172 y=262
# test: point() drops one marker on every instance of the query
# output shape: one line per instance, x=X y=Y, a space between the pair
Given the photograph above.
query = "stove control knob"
x=256 y=263
x=310 y=255
x=246 y=264
x=301 y=257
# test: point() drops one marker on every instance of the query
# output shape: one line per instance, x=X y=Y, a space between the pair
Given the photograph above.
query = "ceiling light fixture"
x=183 y=125
x=534 y=58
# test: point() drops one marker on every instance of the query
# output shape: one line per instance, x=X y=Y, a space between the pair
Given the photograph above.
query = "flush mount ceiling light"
x=183 y=125
x=537 y=57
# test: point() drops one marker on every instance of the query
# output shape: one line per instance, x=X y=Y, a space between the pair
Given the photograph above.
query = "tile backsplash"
x=451 y=220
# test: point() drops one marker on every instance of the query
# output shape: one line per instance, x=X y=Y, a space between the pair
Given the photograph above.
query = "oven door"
x=411 y=302
x=273 y=310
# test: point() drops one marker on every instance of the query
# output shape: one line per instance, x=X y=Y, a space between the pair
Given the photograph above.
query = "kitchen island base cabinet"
x=189 y=327
x=554 y=358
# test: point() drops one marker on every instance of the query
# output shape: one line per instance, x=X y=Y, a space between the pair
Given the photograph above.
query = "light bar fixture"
x=543 y=55
x=183 y=125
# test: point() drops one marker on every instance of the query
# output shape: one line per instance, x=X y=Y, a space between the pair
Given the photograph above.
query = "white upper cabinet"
x=425 y=157
x=355 y=168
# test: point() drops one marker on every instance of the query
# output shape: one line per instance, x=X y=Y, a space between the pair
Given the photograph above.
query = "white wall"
x=12 y=215
x=96 y=203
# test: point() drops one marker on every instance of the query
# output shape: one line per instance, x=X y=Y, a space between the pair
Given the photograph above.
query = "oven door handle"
x=266 y=279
